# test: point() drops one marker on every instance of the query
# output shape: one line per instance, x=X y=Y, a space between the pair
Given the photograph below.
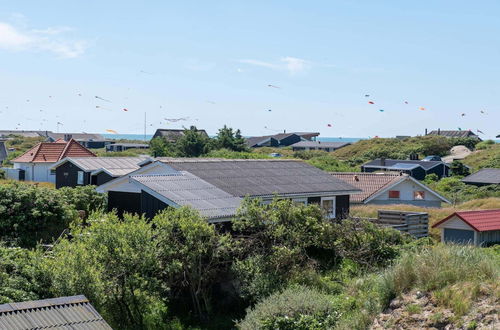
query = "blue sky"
x=212 y=61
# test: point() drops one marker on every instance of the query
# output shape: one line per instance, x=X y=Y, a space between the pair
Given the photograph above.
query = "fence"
x=413 y=223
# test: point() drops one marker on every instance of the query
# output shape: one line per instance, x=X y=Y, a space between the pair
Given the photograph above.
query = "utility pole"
x=144 y=126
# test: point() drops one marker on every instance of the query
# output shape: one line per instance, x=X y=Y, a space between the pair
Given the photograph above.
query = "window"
x=328 y=206
x=52 y=172
x=419 y=195
x=79 y=179
x=394 y=194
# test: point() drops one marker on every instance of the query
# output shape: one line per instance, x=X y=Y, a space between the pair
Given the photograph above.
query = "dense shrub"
x=29 y=214
x=293 y=308
x=84 y=198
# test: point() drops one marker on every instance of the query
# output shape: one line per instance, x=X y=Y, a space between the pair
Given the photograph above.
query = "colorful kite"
x=100 y=98
x=124 y=109
x=381 y=110
x=111 y=131
x=479 y=131
x=421 y=108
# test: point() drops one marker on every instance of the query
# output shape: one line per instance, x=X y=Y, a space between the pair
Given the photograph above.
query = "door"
x=458 y=236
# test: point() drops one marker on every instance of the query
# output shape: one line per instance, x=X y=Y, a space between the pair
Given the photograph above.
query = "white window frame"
x=332 y=214
x=79 y=177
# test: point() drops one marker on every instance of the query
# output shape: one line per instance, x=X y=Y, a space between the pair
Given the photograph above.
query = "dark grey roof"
x=77 y=136
x=257 y=140
x=261 y=177
x=23 y=133
x=186 y=189
x=485 y=176
x=397 y=164
x=320 y=144
x=453 y=133
x=58 y=313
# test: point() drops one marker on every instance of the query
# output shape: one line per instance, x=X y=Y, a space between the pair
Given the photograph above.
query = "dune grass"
x=40 y=184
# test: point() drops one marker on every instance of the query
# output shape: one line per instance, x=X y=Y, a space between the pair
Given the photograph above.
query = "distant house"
x=216 y=187
x=455 y=133
x=73 y=312
x=172 y=135
x=480 y=228
x=117 y=147
x=390 y=188
x=3 y=151
x=318 y=145
x=414 y=168
x=280 y=140
x=483 y=177
x=36 y=163
x=88 y=140
x=27 y=134
x=73 y=171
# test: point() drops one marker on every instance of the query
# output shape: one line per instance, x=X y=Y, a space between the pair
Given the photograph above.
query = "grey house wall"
x=488 y=238
x=436 y=204
x=151 y=205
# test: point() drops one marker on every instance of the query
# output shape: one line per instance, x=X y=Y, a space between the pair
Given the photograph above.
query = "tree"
x=113 y=263
x=159 y=147
x=192 y=254
x=84 y=198
x=459 y=169
x=192 y=144
x=228 y=139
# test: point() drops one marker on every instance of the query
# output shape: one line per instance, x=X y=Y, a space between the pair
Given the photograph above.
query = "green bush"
x=84 y=198
x=484 y=144
x=293 y=308
x=30 y=214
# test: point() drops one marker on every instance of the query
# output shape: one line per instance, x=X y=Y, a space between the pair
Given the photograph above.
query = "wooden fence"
x=413 y=223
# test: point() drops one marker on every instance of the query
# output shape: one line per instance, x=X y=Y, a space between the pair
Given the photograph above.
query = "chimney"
x=382 y=161
x=67 y=137
x=439 y=131
x=284 y=131
x=426 y=131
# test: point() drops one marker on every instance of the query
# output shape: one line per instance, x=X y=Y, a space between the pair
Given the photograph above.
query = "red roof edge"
x=34 y=149
x=450 y=216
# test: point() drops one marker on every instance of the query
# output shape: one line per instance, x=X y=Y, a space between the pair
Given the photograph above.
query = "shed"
x=481 y=228
x=73 y=312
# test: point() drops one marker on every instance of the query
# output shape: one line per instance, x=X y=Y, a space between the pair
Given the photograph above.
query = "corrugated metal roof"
x=109 y=163
x=187 y=189
x=369 y=183
x=453 y=133
x=261 y=177
x=482 y=220
x=320 y=144
x=74 y=312
x=486 y=176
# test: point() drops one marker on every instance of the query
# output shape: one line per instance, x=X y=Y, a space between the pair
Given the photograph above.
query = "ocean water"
x=149 y=136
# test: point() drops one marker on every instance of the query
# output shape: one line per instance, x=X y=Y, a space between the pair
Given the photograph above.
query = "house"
x=414 y=168
x=117 y=147
x=280 y=140
x=3 y=151
x=36 y=163
x=73 y=312
x=27 y=134
x=390 y=188
x=454 y=134
x=483 y=177
x=216 y=187
x=172 y=135
x=88 y=140
x=481 y=228
x=318 y=145
x=74 y=171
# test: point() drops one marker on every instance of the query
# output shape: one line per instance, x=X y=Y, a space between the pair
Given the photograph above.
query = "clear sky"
x=212 y=62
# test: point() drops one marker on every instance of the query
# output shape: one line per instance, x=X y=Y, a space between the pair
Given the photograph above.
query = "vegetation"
x=19 y=145
x=487 y=157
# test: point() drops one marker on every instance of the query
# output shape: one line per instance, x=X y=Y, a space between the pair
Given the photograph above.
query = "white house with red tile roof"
x=37 y=161
x=480 y=228
x=390 y=188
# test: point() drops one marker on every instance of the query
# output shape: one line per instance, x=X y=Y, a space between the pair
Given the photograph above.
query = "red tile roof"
x=483 y=220
x=51 y=152
x=369 y=183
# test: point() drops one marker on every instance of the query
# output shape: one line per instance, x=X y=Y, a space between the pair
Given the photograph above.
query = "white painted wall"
x=406 y=190
x=455 y=223
x=38 y=172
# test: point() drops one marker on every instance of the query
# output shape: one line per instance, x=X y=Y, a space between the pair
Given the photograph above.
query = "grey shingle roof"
x=187 y=189
x=116 y=166
x=319 y=144
x=259 y=177
x=58 y=313
x=453 y=133
x=77 y=136
x=485 y=176
x=398 y=162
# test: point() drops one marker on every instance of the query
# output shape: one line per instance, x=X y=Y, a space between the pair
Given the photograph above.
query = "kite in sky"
x=367 y=95
x=269 y=110
x=329 y=125
x=421 y=108
x=482 y=111
x=174 y=120
x=124 y=109
x=463 y=114
x=381 y=110
x=100 y=98
x=406 y=102
x=111 y=131
x=371 y=102
x=273 y=86
x=479 y=131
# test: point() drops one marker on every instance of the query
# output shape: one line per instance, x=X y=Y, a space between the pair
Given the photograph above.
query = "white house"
x=390 y=188
x=35 y=164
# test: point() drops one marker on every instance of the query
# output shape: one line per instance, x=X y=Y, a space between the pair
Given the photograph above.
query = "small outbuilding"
x=481 y=228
